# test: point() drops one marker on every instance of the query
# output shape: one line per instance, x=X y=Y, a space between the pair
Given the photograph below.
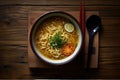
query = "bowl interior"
x=36 y=27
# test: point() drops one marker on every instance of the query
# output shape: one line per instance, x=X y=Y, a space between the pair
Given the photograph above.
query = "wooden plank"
x=59 y=2
x=102 y=8
x=25 y=9
x=110 y=39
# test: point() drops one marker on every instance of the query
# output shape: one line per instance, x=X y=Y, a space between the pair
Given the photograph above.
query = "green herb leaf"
x=56 y=41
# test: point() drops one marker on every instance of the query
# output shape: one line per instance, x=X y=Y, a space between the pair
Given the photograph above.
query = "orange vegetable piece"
x=68 y=49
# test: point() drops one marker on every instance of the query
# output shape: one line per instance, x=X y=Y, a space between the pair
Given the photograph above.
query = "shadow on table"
x=74 y=69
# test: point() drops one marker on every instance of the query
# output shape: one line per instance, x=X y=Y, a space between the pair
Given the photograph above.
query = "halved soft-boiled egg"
x=69 y=27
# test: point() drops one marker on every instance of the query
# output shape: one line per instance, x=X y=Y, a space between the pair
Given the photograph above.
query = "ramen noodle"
x=53 y=41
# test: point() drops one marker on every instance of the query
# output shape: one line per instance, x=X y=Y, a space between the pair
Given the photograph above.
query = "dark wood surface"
x=13 y=38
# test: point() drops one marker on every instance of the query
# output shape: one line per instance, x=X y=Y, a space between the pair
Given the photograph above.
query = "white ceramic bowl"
x=35 y=27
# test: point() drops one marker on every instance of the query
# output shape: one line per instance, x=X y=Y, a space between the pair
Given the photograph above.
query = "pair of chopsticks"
x=82 y=21
x=82 y=17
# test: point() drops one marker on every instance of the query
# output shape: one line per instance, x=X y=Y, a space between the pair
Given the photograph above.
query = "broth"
x=53 y=40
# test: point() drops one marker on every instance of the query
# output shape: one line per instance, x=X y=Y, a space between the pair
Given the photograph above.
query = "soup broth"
x=56 y=38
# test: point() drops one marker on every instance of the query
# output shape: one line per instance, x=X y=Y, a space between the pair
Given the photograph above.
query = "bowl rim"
x=33 y=27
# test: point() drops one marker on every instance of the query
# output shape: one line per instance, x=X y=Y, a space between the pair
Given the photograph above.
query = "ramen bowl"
x=56 y=38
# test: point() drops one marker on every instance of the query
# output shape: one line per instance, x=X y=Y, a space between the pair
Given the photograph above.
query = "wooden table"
x=13 y=38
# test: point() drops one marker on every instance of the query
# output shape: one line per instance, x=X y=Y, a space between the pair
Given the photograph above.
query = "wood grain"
x=13 y=38
x=59 y=2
